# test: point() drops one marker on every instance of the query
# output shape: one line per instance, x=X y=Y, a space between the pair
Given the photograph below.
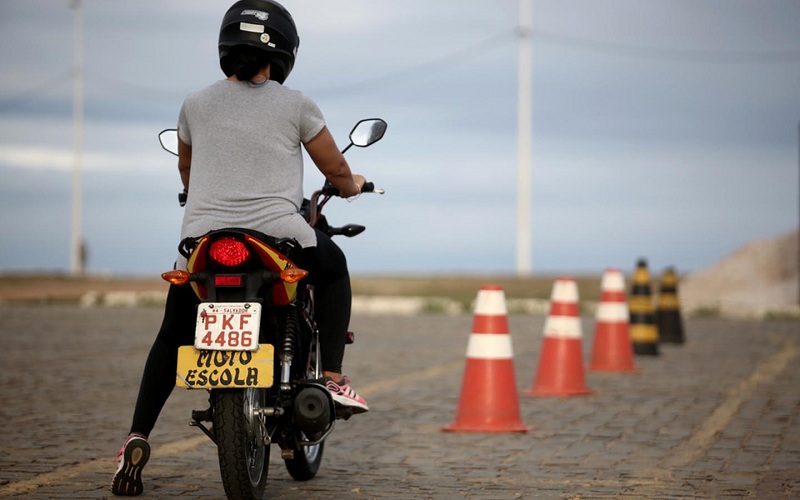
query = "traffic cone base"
x=560 y=371
x=488 y=401
x=646 y=348
x=481 y=407
x=670 y=327
x=612 y=350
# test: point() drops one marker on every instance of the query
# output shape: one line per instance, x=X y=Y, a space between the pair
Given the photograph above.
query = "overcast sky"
x=665 y=130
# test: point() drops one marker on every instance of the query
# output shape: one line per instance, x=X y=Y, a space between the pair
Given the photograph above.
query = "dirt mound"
x=758 y=279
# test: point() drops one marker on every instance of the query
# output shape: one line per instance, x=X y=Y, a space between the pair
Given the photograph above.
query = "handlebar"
x=327 y=190
x=368 y=187
x=326 y=193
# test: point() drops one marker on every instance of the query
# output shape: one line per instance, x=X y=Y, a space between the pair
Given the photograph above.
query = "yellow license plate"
x=224 y=369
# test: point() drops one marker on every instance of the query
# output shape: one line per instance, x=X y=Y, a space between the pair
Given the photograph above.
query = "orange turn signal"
x=176 y=277
x=293 y=274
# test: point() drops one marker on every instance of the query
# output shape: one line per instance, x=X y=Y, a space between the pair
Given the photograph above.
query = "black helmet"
x=264 y=24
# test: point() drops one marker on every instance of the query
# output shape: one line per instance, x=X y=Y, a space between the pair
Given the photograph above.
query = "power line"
x=422 y=70
x=584 y=45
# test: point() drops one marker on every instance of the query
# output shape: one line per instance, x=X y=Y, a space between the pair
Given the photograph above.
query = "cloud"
x=43 y=158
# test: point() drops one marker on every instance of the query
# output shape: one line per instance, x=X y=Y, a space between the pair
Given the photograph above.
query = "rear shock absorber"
x=288 y=349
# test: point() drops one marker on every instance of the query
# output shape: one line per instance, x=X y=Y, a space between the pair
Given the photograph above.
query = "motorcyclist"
x=240 y=162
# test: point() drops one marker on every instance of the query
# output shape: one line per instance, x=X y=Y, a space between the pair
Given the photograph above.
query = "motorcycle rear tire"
x=306 y=462
x=243 y=456
x=307 y=459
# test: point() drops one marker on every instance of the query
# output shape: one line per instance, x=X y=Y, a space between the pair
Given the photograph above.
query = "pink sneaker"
x=344 y=395
x=131 y=458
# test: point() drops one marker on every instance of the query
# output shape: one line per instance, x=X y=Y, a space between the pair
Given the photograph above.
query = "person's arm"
x=330 y=161
x=184 y=163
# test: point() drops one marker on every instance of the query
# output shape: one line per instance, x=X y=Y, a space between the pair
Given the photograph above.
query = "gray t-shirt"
x=247 y=162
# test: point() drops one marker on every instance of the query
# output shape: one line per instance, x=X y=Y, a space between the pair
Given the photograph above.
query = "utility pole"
x=77 y=250
x=524 y=138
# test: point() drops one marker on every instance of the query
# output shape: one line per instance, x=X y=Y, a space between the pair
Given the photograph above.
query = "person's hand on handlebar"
x=359 y=180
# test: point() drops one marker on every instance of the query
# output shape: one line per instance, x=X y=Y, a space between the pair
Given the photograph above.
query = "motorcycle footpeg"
x=201 y=415
x=344 y=412
x=208 y=432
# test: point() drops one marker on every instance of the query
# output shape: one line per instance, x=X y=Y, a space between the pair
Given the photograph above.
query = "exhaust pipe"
x=312 y=410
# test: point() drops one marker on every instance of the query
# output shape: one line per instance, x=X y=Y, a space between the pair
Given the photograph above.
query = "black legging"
x=328 y=273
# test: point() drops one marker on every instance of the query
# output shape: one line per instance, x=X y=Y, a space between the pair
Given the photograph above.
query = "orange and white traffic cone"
x=612 y=350
x=488 y=400
x=560 y=371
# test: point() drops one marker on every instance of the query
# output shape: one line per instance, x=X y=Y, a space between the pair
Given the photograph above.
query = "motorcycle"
x=257 y=346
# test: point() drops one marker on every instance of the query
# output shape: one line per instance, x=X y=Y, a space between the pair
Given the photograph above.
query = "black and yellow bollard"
x=668 y=310
x=643 y=328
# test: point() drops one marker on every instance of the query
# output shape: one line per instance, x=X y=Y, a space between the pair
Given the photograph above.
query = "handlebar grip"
x=329 y=190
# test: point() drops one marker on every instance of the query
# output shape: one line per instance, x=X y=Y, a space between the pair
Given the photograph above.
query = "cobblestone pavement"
x=716 y=417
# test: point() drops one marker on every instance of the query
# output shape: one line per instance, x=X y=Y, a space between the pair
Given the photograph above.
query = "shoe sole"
x=349 y=403
x=128 y=479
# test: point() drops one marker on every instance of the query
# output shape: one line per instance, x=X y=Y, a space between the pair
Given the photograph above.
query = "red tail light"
x=228 y=252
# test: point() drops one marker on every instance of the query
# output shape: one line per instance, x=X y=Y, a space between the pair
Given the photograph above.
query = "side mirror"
x=367 y=132
x=169 y=140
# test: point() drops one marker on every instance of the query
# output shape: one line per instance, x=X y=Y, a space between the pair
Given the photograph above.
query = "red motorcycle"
x=257 y=349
